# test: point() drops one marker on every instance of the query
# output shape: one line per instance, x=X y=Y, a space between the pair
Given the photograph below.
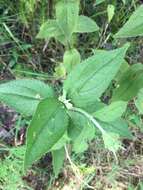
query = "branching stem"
x=69 y=106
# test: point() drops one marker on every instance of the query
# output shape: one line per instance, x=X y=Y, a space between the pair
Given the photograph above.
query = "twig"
x=76 y=170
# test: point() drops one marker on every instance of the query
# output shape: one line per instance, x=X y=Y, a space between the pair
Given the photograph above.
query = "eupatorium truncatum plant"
x=77 y=115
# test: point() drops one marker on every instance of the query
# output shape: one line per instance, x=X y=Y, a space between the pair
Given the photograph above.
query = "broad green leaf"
x=119 y=127
x=111 y=141
x=129 y=84
x=139 y=101
x=94 y=106
x=124 y=67
x=134 y=26
x=86 y=25
x=111 y=12
x=89 y=79
x=71 y=58
x=62 y=142
x=47 y=127
x=58 y=157
x=67 y=16
x=87 y=134
x=76 y=124
x=49 y=29
x=61 y=38
x=24 y=95
x=81 y=131
x=111 y=112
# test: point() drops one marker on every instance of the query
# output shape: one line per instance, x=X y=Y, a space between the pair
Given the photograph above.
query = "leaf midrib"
x=78 y=89
x=42 y=128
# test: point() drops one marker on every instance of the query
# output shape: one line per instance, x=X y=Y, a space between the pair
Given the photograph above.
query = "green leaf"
x=81 y=131
x=87 y=134
x=58 y=157
x=134 y=26
x=86 y=25
x=61 y=38
x=99 y=1
x=111 y=12
x=49 y=29
x=111 y=112
x=47 y=127
x=62 y=142
x=111 y=141
x=119 y=127
x=76 y=124
x=71 y=58
x=94 y=106
x=24 y=95
x=129 y=84
x=89 y=79
x=139 y=101
x=124 y=67
x=67 y=16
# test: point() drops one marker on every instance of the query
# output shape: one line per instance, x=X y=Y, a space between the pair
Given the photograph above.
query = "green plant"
x=77 y=115
x=55 y=118
x=63 y=28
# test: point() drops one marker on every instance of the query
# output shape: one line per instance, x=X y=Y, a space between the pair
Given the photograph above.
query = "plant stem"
x=69 y=106
x=88 y=116
x=76 y=170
